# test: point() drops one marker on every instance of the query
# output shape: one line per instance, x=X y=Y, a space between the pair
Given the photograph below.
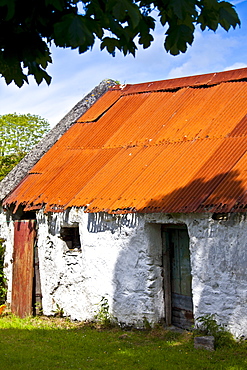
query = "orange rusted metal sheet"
x=168 y=146
x=22 y=280
x=236 y=183
x=104 y=103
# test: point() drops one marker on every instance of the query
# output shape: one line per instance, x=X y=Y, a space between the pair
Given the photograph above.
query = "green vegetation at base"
x=102 y=316
x=208 y=325
x=3 y=282
x=55 y=343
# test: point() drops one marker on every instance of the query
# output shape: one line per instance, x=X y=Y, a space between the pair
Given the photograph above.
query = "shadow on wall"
x=220 y=265
x=220 y=272
x=134 y=275
x=100 y=222
x=221 y=277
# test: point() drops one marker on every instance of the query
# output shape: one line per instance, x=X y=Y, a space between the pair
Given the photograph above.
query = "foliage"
x=102 y=315
x=18 y=134
x=207 y=325
x=54 y=343
x=3 y=281
x=8 y=162
x=39 y=309
x=146 y=324
x=58 y=312
x=28 y=28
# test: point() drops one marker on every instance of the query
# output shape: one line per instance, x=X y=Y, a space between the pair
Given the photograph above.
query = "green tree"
x=18 y=134
x=29 y=27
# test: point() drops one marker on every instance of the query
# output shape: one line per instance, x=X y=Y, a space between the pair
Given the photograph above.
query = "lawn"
x=47 y=343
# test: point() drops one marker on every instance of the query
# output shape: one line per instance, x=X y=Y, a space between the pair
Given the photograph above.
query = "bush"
x=103 y=316
x=207 y=325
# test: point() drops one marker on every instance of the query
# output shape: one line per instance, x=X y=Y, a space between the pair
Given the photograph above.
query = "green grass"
x=42 y=343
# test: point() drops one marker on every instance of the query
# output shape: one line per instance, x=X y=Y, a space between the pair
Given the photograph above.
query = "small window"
x=220 y=216
x=71 y=237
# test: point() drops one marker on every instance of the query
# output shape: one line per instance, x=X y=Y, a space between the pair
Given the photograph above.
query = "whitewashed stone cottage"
x=139 y=198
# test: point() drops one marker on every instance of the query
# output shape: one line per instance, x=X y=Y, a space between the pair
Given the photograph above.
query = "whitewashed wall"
x=7 y=233
x=116 y=261
x=218 y=252
x=121 y=259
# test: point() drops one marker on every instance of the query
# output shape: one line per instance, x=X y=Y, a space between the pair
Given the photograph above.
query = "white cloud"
x=236 y=2
x=236 y=65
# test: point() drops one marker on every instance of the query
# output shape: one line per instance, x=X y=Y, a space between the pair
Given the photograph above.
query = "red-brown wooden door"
x=22 y=278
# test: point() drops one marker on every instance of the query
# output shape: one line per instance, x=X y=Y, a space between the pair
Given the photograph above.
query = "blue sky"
x=74 y=75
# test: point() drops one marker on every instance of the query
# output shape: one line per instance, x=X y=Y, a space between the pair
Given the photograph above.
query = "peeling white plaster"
x=7 y=233
x=121 y=259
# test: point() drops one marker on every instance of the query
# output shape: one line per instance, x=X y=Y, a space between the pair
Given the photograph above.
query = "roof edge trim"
x=204 y=80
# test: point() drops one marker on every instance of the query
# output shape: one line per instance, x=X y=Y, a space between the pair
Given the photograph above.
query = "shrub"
x=207 y=325
x=102 y=315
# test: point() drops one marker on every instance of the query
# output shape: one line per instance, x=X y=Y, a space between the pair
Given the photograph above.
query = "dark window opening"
x=220 y=216
x=28 y=215
x=71 y=237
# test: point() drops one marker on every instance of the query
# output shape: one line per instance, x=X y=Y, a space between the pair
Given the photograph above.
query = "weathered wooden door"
x=23 y=259
x=177 y=277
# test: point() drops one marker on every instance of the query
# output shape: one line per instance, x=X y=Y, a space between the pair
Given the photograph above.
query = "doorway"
x=26 y=291
x=177 y=276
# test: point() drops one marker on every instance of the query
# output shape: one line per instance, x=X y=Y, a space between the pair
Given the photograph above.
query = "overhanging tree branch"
x=27 y=28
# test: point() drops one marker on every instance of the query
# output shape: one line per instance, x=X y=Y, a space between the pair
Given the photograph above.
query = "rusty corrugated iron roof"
x=168 y=146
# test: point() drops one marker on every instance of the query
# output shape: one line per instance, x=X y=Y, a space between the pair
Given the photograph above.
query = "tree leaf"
x=182 y=8
x=110 y=44
x=124 y=9
x=57 y=4
x=228 y=16
x=72 y=32
x=10 y=4
x=177 y=39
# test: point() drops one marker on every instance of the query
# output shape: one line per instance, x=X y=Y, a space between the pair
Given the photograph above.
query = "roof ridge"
x=204 y=80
